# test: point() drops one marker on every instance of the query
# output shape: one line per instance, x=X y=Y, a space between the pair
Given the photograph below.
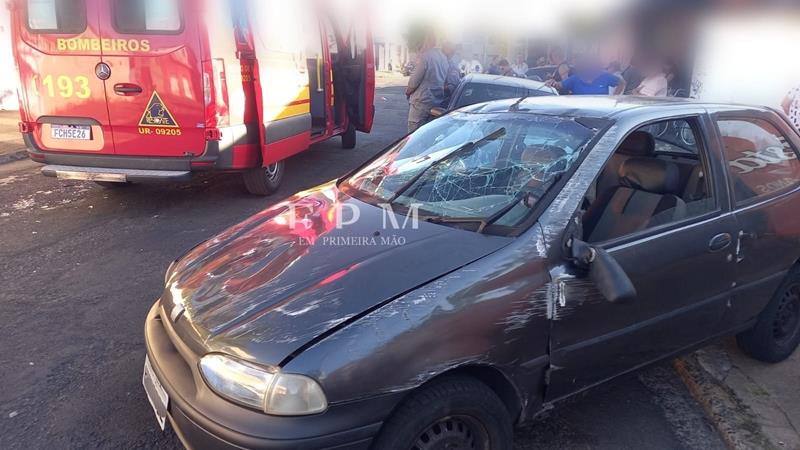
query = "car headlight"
x=268 y=389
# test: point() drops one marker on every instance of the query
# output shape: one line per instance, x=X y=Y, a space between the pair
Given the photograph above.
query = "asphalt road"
x=80 y=266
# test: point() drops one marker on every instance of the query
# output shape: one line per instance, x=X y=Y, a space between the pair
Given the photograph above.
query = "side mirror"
x=438 y=112
x=609 y=277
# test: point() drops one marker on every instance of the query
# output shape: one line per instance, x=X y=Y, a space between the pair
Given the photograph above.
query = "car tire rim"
x=787 y=318
x=453 y=433
x=272 y=171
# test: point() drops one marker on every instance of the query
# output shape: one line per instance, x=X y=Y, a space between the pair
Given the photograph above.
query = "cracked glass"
x=474 y=169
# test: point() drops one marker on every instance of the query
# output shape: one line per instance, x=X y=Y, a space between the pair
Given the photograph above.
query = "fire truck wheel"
x=264 y=180
x=349 y=138
x=110 y=185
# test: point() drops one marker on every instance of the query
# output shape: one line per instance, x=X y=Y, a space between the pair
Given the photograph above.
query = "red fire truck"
x=126 y=91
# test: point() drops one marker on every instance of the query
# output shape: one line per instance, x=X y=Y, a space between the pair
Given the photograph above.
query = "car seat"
x=648 y=193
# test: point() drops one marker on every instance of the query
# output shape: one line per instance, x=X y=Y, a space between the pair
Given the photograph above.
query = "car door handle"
x=127 y=89
x=720 y=242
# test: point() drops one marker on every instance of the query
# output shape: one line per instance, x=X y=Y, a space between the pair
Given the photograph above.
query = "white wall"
x=8 y=72
x=751 y=60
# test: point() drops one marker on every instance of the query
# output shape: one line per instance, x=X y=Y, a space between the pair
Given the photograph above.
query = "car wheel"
x=349 y=138
x=777 y=332
x=112 y=185
x=264 y=180
x=451 y=413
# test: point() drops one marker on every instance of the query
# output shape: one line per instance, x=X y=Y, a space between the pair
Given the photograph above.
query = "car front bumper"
x=203 y=419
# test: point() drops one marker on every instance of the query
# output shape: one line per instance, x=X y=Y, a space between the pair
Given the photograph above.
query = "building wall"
x=8 y=76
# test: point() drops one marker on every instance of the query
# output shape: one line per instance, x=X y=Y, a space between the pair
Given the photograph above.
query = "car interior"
x=657 y=176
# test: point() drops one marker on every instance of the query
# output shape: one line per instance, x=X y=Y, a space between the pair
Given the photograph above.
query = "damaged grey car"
x=499 y=260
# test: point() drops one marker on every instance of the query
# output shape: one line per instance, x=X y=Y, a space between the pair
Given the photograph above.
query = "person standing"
x=589 y=79
x=520 y=68
x=493 y=69
x=562 y=69
x=453 y=77
x=791 y=106
x=426 y=85
x=504 y=68
x=632 y=75
x=654 y=83
x=475 y=65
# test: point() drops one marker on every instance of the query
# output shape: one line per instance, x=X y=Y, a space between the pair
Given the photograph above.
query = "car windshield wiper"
x=461 y=150
x=457 y=220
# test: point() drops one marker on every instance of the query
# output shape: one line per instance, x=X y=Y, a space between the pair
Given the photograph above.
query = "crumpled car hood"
x=268 y=286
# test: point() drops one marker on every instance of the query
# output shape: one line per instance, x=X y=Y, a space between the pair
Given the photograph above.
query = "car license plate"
x=71 y=132
x=155 y=393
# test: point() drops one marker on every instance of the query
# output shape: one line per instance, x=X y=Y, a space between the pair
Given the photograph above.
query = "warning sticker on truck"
x=157 y=114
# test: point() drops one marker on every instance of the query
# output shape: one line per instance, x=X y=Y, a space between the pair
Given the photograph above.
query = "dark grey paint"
x=514 y=308
x=285 y=128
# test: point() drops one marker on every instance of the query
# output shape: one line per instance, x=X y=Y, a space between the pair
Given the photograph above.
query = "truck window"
x=148 y=16
x=56 y=16
x=761 y=161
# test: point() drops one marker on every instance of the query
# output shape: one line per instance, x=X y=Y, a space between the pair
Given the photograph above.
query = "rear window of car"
x=474 y=93
x=148 y=16
x=761 y=161
x=56 y=16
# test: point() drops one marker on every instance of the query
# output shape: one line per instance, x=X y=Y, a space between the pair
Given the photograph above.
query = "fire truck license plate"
x=71 y=132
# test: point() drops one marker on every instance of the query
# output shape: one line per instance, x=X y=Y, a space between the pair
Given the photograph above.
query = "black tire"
x=112 y=185
x=777 y=332
x=349 y=138
x=453 y=412
x=264 y=181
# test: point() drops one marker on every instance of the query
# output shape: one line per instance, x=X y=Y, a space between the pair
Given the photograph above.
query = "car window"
x=147 y=16
x=659 y=175
x=56 y=16
x=761 y=161
x=674 y=136
x=474 y=93
x=474 y=167
x=537 y=93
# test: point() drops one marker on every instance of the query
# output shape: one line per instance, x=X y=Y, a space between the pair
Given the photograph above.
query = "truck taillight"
x=215 y=94
x=25 y=127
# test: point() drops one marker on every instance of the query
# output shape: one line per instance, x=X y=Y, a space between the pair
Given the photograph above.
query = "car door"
x=155 y=91
x=358 y=63
x=58 y=51
x=764 y=172
x=680 y=262
x=282 y=80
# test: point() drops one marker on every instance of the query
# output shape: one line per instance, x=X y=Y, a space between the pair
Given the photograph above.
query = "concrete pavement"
x=80 y=266
x=11 y=146
x=753 y=404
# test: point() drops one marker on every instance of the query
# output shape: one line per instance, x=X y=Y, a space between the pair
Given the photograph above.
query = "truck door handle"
x=720 y=242
x=127 y=89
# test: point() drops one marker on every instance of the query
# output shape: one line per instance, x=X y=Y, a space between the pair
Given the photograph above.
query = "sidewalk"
x=11 y=146
x=754 y=405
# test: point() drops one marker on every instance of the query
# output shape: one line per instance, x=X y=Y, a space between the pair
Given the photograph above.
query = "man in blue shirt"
x=590 y=79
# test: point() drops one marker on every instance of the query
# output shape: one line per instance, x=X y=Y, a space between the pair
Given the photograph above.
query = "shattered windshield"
x=482 y=169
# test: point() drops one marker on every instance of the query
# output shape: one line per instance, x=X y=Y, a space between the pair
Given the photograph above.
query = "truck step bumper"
x=114 y=175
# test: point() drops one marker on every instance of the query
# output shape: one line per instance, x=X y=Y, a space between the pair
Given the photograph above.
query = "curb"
x=19 y=155
x=736 y=423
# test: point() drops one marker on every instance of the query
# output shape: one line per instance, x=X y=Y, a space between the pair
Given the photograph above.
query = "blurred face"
x=448 y=50
x=651 y=68
x=587 y=67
